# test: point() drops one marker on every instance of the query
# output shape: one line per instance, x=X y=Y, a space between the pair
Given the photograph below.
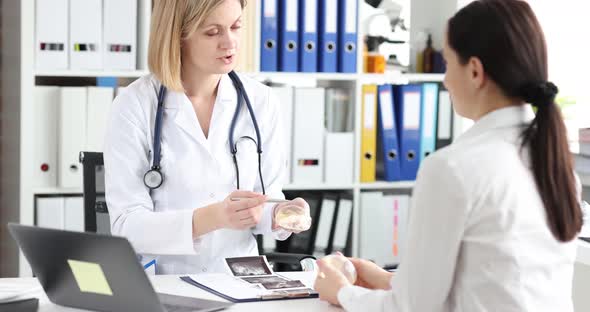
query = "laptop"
x=96 y=272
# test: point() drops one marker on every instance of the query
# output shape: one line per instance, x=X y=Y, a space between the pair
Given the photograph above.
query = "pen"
x=268 y=200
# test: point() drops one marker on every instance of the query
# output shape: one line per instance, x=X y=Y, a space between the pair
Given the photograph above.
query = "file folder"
x=289 y=36
x=285 y=97
x=308 y=36
x=51 y=34
x=339 y=151
x=74 y=214
x=49 y=212
x=407 y=101
x=368 y=133
x=445 y=120
x=325 y=226
x=86 y=34
x=72 y=135
x=308 y=136
x=143 y=31
x=234 y=290
x=98 y=107
x=395 y=226
x=327 y=37
x=269 y=56
x=45 y=136
x=343 y=224
x=339 y=110
x=388 y=155
x=120 y=34
x=428 y=119
x=374 y=236
x=347 y=36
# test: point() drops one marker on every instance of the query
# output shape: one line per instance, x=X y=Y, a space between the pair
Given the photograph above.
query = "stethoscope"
x=154 y=178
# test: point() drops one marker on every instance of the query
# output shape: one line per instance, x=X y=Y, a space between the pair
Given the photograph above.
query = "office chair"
x=96 y=218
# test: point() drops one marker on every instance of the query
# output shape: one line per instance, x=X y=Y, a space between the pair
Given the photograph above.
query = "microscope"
x=392 y=10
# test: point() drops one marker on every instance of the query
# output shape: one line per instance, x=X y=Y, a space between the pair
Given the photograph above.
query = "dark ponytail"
x=552 y=162
x=517 y=63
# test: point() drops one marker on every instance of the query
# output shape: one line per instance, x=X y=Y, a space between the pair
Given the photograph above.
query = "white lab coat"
x=197 y=171
x=478 y=236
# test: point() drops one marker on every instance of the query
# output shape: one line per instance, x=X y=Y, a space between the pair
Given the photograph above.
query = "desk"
x=173 y=285
x=583 y=255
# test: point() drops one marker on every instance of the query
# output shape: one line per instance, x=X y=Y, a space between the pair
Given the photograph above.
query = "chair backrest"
x=96 y=217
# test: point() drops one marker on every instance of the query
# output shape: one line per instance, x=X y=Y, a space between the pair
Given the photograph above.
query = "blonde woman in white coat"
x=495 y=214
x=189 y=223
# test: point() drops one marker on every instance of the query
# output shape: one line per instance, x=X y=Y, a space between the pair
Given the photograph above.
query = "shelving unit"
x=97 y=73
x=19 y=62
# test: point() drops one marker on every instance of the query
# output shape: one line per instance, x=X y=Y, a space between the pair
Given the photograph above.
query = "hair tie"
x=539 y=93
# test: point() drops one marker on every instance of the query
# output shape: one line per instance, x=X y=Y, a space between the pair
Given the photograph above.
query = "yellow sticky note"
x=90 y=277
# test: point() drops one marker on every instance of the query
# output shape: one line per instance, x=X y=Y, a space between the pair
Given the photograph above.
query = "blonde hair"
x=172 y=22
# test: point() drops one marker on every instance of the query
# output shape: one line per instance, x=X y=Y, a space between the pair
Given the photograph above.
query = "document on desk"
x=260 y=284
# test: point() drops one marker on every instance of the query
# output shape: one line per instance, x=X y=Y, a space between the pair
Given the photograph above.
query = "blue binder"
x=388 y=156
x=308 y=35
x=347 y=43
x=328 y=30
x=429 y=113
x=288 y=36
x=269 y=35
x=407 y=99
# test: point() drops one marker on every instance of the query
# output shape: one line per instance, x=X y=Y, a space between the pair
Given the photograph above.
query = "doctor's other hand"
x=292 y=216
x=370 y=275
x=241 y=214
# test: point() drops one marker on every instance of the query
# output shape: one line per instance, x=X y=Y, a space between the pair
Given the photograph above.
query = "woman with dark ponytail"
x=494 y=215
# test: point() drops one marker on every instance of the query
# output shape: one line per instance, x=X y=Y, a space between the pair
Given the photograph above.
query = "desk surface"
x=173 y=285
x=583 y=255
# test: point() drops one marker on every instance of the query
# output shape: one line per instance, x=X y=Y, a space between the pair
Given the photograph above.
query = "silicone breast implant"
x=342 y=264
x=292 y=218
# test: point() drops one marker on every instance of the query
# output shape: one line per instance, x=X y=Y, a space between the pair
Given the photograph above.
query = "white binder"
x=49 y=212
x=322 y=239
x=143 y=32
x=285 y=97
x=120 y=34
x=98 y=107
x=51 y=34
x=308 y=136
x=339 y=162
x=74 y=214
x=86 y=34
x=72 y=135
x=342 y=224
x=373 y=235
x=45 y=136
x=383 y=224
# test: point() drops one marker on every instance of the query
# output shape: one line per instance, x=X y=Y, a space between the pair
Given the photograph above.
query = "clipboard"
x=274 y=295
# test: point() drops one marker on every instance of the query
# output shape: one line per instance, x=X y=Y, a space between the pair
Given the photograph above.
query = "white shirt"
x=198 y=171
x=478 y=238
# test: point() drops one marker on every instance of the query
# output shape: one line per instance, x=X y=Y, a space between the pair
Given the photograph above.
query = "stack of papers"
x=16 y=292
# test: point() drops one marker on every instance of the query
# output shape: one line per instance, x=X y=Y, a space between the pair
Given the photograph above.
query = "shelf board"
x=92 y=73
x=319 y=187
x=56 y=190
x=395 y=77
x=386 y=185
x=422 y=77
x=301 y=75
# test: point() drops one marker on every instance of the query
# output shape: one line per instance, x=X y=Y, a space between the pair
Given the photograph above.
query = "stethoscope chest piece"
x=153 y=179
